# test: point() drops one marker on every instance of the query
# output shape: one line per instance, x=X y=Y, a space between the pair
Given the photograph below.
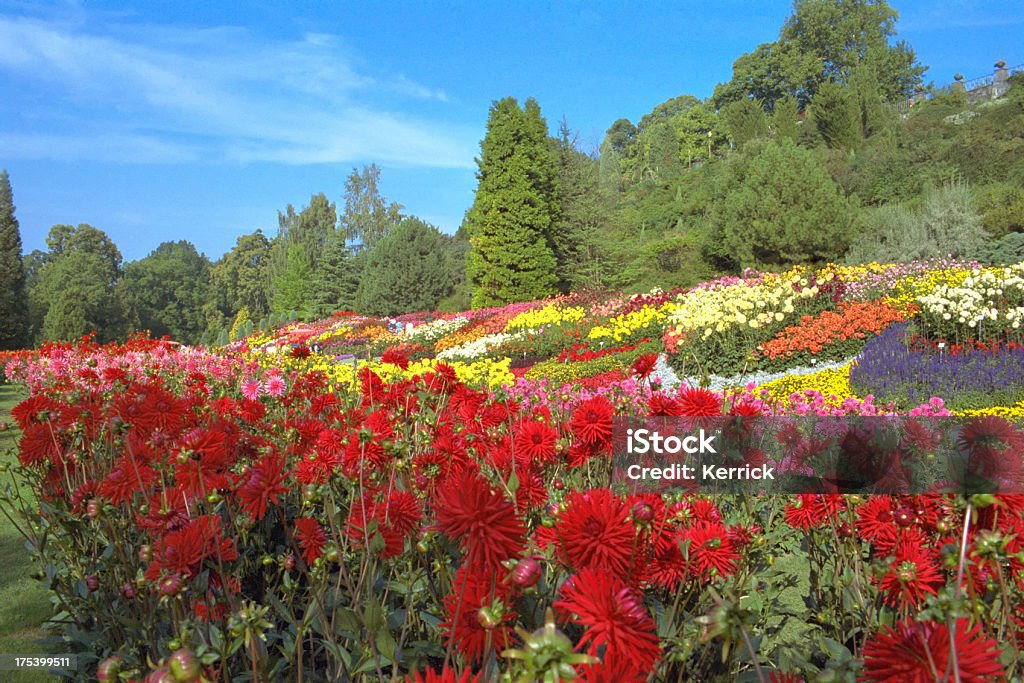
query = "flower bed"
x=830 y=336
x=892 y=370
x=330 y=502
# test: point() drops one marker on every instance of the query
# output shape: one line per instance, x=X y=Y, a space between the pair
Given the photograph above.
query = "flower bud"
x=184 y=666
x=108 y=669
x=161 y=675
x=642 y=512
x=526 y=573
x=487 y=618
x=170 y=586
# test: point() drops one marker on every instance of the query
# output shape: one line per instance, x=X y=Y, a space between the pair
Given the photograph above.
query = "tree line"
x=368 y=256
x=799 y=157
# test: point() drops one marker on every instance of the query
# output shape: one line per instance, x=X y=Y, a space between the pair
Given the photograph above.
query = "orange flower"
x=853 y=320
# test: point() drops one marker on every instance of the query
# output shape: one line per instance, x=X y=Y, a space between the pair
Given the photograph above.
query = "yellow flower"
x=834 y=385
x=552 y=314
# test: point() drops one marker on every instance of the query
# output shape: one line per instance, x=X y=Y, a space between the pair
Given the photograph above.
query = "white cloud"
x=143 y=93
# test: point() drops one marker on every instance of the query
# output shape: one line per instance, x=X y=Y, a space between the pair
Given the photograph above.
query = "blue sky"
x=199 y=120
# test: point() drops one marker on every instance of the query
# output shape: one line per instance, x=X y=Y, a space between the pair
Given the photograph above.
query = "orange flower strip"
x=853 y=320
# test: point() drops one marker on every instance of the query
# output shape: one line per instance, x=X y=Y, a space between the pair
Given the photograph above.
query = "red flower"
x=874 y=517
x=699 y=402
x=445 y=675
x=667 y=567
x=263 y=486
x=662 y=405
x=596 y=531
x=445 y=379
x=912 y=573
x=128 y=477
x=812 y=510
x=32 y=409
x=591 y=422
x=780 y=677
x=614 y=617
x=916 y=652
x=535 y=442
x=396 y=519
x=311 y=537
x=711 y=550
x=183 y=551
x=486 y=524
x=395 y=357
x=990 y=432
x=465 y=627
x=644 y=365
x=39 y=445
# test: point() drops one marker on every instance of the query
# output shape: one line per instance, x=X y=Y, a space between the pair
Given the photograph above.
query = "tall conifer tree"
x=13 y=296
x=514 y=215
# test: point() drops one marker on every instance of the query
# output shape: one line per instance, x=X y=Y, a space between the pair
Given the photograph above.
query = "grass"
x=24 y=604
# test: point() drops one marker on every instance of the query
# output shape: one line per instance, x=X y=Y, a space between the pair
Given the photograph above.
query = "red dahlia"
x=644 y=365
x=811 y=510
x=262 y=487
x=616 y=622
x=182 y=552
x=465 y=628
x=591 y=422
x=595 y=531
x=916 y=652
x=395 y=357
x=711 y=550
x=535 y=442
x=445 y=675
x=699 y=402
x=311 y=537
x=912 y=574
x=486 y=524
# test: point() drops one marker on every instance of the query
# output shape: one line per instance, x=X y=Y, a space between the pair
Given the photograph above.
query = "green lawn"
x=24 y=605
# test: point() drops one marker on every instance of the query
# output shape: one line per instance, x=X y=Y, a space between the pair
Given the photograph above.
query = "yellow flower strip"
x=834 y=385
x=551 y=314
x=623 y=326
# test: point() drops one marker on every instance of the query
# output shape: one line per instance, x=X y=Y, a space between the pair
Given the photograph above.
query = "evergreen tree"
x=836 y=116
x=578 y=205
x=336 y=278
x=515 y=209
x=778 y=206
x=872 y=114
x=785 y=118
x=13 y=293
x=292 y=287
x=302 y=236
x=406 y=271
x=745 y=121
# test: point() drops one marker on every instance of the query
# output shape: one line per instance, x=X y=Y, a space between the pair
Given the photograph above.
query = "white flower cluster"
x=994 y=294
x=428 y=333
x=480 y=346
